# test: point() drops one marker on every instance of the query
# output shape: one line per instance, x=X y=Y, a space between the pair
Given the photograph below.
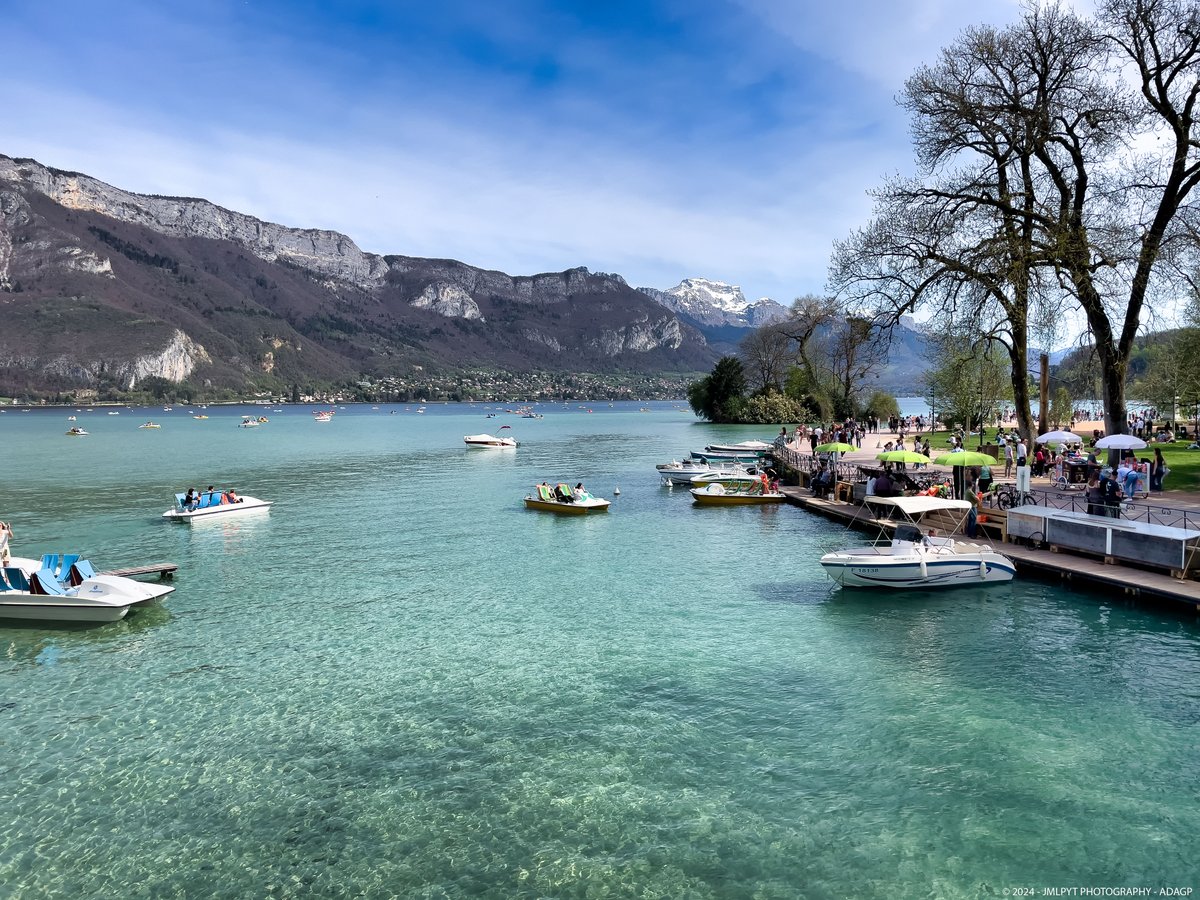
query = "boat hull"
x=489 y=442
x=570 y=509
x=952 y=570
x=211 y=513
x=36 y=608
x=705 y=497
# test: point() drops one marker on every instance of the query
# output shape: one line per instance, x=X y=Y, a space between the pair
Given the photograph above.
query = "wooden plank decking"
x=162 y=570
x=1078 y=571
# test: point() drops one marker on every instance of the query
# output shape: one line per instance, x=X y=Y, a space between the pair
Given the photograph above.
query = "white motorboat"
x=917 y=559
x=721 y=457
x=76 y=431
x=68 y=589
x=682 y=471
x=686 y=471
x=489 y=441
x=733 y=477
x=209 y=505
x=744 y=447
x=248 y=422
x=150 y=425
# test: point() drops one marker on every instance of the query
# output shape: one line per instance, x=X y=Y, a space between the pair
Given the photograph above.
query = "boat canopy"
x=918 y=506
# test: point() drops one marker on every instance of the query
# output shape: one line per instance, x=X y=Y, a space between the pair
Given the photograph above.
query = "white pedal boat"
x=208 y=506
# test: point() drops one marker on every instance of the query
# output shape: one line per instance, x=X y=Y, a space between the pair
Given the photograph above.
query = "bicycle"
x=1007 y=496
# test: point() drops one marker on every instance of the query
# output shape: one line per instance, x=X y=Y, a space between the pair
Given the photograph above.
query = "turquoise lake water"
x=401 y=683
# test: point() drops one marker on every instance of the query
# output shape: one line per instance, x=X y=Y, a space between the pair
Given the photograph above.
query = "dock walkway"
x=162 y=570
x=1078 y=571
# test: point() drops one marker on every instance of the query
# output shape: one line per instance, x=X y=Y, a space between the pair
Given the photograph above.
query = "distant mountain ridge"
x=101 y=284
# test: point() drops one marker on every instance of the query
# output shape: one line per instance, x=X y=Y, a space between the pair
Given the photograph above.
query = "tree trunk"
x=1019 y=354
x=1116 y=416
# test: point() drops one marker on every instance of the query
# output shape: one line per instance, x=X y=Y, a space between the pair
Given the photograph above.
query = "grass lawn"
x=1184 y=465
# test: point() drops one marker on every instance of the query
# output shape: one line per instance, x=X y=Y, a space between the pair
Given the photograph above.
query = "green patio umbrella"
x=966 y=458
x=835 y=447
x=903 y=456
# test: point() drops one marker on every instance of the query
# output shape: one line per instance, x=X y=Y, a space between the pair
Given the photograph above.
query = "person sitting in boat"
x=561 y=493
x=5 y=534
x=579 y=493
x=189 y=502
x=230 y=496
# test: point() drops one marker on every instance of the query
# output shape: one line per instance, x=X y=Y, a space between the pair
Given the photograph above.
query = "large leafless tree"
x=1047 y=183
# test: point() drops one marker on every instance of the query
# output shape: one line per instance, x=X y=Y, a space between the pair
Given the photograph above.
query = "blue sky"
x=660 y=140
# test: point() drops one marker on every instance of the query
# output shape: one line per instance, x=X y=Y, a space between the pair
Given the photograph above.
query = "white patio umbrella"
x=1120 y=442
x=1059 y=437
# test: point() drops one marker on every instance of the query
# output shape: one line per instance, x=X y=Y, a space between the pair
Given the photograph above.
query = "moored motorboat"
x=68 y=589
x=489 y=441
x=561 y=499
x=207 y=505
x=915 y=558
x=682 y=471
x=722 y=457
x=744 y=447
x=733 y=477
x=718 y=495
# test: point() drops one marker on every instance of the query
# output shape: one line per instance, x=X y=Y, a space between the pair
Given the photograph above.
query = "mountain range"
x=104 y=287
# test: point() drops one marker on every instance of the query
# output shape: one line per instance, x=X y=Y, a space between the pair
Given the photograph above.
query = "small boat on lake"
x=67 y=589
x=729 y=477
x=209 y=505
x=684 y=471
x=757 y=447
x=914 y=558
x=561 y=499
x=76 y=431
x=718 y=495
x=719 y=457
x=149 y=425
x=248 y=422
x=489 y=441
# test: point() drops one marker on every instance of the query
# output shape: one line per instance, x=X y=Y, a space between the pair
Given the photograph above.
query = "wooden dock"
x=164 y=571
x=1069 y=568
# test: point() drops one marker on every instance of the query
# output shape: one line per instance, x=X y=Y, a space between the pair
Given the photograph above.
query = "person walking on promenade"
x=1156 y=470
x=1008 y=458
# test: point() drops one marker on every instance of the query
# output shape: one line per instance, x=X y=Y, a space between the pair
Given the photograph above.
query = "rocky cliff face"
x=325 y=252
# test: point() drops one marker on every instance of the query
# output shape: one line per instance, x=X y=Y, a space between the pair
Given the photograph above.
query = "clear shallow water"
x=402 y=683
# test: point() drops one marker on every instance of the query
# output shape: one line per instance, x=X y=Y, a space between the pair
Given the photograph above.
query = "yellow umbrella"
x=965 y=458
x=903 y=456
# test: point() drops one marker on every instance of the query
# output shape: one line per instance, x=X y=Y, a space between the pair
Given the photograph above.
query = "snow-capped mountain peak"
x=717 y=304
x=725 y=297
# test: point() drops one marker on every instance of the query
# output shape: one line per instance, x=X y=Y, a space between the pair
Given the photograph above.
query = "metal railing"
x=1130 y=510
